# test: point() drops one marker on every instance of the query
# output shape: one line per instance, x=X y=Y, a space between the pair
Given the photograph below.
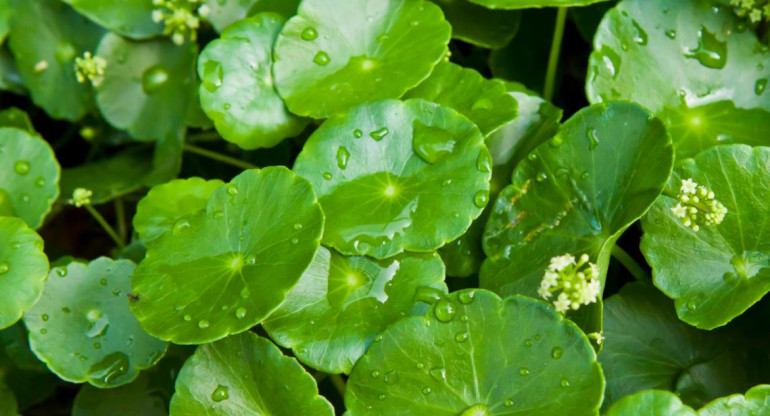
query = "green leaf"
x=755 y=402
x=136 y=398
x=327 y=60
x=245 y=375
x=46 y=37
x=386 y=170
x=337 y=291
x=225 y=269
x=717 y=273
x=23 y=269
x=16 y=117
x=475 y=354
x=29 y=176
x=237 y=90
x=576 y=194
x=8 y=406
x=14 y=341
x=526 y=4
x=31 y=384
x=651 y=403
x=10 y=79
x=128 y=18
x=478 y=25
x=83 y=329
x=158 y=212
x=485 y=102
x=6 y=11
x=704 y=75
x=647 y=347
x=147 y=85
x=222 y=13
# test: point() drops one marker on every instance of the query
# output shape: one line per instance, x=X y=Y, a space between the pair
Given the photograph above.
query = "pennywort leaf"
x=23 y=268
x=127 y=18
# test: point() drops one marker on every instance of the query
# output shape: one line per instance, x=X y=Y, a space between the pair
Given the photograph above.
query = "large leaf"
x=245 y=375
x=328 y=60
x=46 y=37
x=23 y=269
x=576 y=194
x=755 y=402
x=222 y=13
x=651 y=403
x=526 y=4
x=704 y=75
x=485 y=102
x=478 y=25
x=386 y=170
x=147 y=85
x=83 y=329
x=648 y=347
x=128 y=18
x=718 y=272
x=29 y=176
x=225 y=269
x=475 y=354
x=237 y=90
x=341 y=303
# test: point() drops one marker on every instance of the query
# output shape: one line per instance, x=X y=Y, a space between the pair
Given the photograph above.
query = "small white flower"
x=688 y=186
x=157 y=16
x=679 y=211
x=204 y=11
x=559 y=263
x=597 y=336
x=177 y=38
x=562 y=303
x=544 y=293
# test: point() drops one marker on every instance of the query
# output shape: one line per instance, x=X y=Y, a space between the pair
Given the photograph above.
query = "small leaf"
x=46 y=58
x=83 y=329
x=386 y=170
x=478 y=25
x=488 y=355
x=15 y=117
x=23 y=269
x=237 y=90
x=245 y=375
x=223 y=13
x=128 y=18
x=225 y=269
x=651 y=403
x=336 y=54
x=29 y=176
x=755 y=402
x=147 y=85
x=526 y=4
x=164 y=205
x=337 y=291
x=717 y=273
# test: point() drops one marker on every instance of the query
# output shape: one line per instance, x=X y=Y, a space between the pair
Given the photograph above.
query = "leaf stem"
x=219 y=157
x=630 y=264
x=339 y=383
x=105 y=225
x=553 y=59
x=204 y=136
x=120 y=214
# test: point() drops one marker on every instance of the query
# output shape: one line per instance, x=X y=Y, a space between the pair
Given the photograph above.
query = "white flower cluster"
x=80 y=197
x=90 y=68
x=577 y=280
x=755 y=10
x=179 y=18
x=697 y=206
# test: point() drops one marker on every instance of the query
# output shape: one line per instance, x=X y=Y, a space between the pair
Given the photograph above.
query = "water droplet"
x=584 y=175
x=391 y=377
x=420 y=366
x=358 y=133
x=187 y=318
x=44 y=317
x=593 y=139
x=22 y=167
x=426 y=391
x=466 y=297
x=556 y=141
x=110 y=368
x=532 y=157
x=232 y=190
x=640 y=36
x=711 y=52
x=444 y=310
x=375 y=374
x=556 y=353
x=321 y=58
x=245 y=293
x=66 y=310
x=203 y=324
x=481 y=198
x=327 y=176
x=153 y=79
x=524 y=371
x=379 y=134
x=25 y=198
x=60 y=271
x=565 y=382
x=220 y=393
x=542 y=176
x=671 y=34
x=98 y=324
x=508 y=402
x=4 y=267
x=438 y=374
x=760 y=86
x=180 y=226
x=295 y=240
x=97 y=345
x=432 y=144
x=240 y=313
x=446 y=182
x=476 y=410
x=461 y=336
x=528 y=343
x=297 y=227
x=43 y=331
x=213 y=75
x=40 y=182
x=427 y=295
x=484 y=162
x=692 y=305
x=218 y=215
x=309 y=33
x=382 y=396
x=343 y=156
x=731 y=278
x=226 y=106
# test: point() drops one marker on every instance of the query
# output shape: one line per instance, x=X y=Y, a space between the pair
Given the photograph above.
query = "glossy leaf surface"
x=651 y=403
x=225 y=12
x=23 y=269
x=478 y=25
x=527 y=4
x=136 y=398
x=128 y=18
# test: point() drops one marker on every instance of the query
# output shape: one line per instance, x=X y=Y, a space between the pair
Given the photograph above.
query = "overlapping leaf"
x=222 y=13
x=23 y=268
x=526 y=4
x=478 y=25
x=662 y=403
x=128 y=18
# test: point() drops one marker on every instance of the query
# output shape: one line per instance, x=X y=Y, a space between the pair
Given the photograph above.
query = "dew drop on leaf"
x=4 y=267
x=391 y=377
x=444 y=310
x=760 y=86
x=240 y=313
x=309 y=33
x=524 y=371
x=483 y=162
x=426 y=391
x=461 y=336
x=556 y=353
x=466 y=297
x=358 y=133
x=22 y=167
x=711 y=52
x=213 y=75
x=40 y=182
x=593 y=139
x=343 y=156
x=203 y=324
x=508 y=402
x=220 y=393
x=565 y=382
x=379 y=134
x=154 y=78
x=432 y=144
x=321 y=58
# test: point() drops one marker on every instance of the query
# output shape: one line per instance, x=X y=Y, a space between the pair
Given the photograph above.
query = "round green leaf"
x=245 y=375
x=576 y=194
x=83 y=329
x=225 y=269
x=132 y=399
x=46 y=37
x=485 y=102
x=651 y=403
x=8 y=405
x=475 y=354
x=6 y=11
x=222 y=13
x=147 y=85
x=717 y=273
x=704 y=75
x=336 y=54
x=237 y=90
x=526 y=4
x=337 y=291
x=386 y=170
x=29 y=176
x=755 y=402
x=23 y=269
x=128 y=18
x=15 y=117
x=478 y=25
x=158 y=212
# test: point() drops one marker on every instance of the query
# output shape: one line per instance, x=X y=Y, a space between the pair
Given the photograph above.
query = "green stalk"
x=339 y=383
x=120 y=214
x=630 y=264
x=107 y=227
x=219 y=157
x=553 y=59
